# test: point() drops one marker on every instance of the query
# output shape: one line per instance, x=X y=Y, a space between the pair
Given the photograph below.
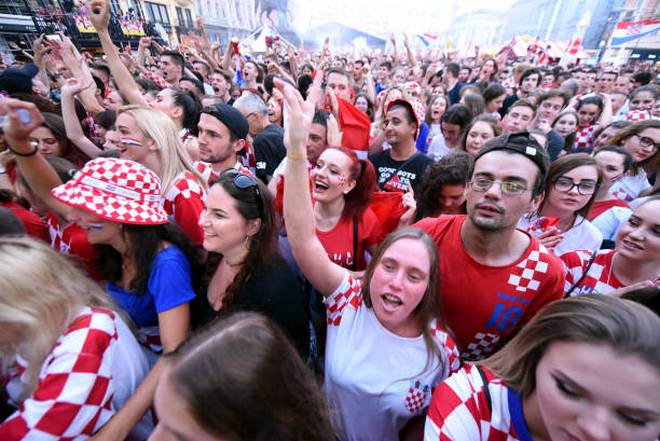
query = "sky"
x=411 y=16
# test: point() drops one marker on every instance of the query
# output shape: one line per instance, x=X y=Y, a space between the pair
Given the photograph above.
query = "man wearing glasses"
x=493 y=277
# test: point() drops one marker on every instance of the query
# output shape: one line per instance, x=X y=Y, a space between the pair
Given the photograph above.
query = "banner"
x=131 y=28
x=627 y=31
x=83 y=24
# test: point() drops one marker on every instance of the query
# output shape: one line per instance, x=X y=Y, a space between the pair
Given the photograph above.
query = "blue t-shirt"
x=169 y=286
x=422 y=138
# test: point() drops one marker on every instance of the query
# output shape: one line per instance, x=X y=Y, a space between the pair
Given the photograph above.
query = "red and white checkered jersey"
x=93 y=368
x=599 y=279
x=483 y=305
x=185 y=202
x=206 y=170
x=71 y=240
x=377 y=381
x=460 y=410
x=584 y=138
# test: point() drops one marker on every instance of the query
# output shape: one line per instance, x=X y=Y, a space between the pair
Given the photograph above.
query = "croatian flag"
x=627 y=31
x=428 y=39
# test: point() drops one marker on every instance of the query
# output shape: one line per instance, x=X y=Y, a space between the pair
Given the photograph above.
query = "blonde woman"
x=584 y=368
x=150 y=137
x=70 y=359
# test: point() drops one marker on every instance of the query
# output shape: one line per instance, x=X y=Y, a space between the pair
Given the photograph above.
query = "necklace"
x=232 y=265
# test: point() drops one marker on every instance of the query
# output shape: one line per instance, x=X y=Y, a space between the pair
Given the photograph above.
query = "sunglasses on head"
x=243 y=182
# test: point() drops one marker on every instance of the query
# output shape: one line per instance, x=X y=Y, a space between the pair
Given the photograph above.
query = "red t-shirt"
x=185 y=202
x=338 y=242
x=482 y=304
x=32 y=223
x=598 y=208
x=72 y=240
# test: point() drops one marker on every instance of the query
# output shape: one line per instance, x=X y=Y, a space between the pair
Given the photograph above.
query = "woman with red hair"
x=342 y=186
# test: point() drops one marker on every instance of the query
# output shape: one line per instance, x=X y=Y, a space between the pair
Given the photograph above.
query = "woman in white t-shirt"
x=385 y=348
x=641 y=140
x=560 y=222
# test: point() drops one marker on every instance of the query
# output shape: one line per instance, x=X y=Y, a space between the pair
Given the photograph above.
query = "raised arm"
x=71 y=123
x=312 y=258
x=23 y=118
x=99 y=14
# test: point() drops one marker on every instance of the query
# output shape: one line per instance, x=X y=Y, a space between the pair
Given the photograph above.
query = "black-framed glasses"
x=647 y=142
x=585 y=188
x=243 y=182
x=510 y=188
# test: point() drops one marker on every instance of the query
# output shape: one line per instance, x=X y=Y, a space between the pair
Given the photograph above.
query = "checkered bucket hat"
x=117 y=190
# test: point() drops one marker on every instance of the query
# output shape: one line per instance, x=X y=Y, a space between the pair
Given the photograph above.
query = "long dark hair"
x=242 y=380
x=191 y=107
x=144 y=242
x=55 y=124
x=562 y=166
x=252 y=203
x=452 y=169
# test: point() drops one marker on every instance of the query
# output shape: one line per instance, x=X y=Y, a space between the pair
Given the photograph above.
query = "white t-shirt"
x=438 y=148
x=629 y=187
x=582 y=236
x=376 y=381
x=609 y=221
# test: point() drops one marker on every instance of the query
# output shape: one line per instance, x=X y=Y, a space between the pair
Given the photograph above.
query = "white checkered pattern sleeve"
x=348 y=293
x=574 y=263
x=73 y=396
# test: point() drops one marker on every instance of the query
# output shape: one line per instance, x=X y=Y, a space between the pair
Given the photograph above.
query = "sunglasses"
x=243 y=182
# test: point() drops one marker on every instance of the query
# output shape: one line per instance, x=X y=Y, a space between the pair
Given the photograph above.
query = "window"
x=179 y=16
x=157 y=13
x=189 y=18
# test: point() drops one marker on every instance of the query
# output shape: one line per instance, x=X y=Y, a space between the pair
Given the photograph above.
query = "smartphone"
x=54 y=37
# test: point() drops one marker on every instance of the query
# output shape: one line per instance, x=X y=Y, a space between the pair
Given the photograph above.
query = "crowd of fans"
x=214 y=245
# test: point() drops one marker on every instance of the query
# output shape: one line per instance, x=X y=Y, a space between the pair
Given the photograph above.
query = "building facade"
x=225 y=19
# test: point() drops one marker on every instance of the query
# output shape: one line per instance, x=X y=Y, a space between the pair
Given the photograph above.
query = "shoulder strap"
x=406 y=162
x=355 y=242
x=584 y=274
x=486 y=389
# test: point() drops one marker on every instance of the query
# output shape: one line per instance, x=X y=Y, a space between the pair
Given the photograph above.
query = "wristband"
x=25 y=155
x=298 y=158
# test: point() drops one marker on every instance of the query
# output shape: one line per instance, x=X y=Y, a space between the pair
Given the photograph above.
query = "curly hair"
x=452 y=169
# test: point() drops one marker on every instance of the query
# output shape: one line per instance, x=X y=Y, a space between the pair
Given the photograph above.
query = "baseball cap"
x=522 y=143
x=230 y=117
x=16 y=79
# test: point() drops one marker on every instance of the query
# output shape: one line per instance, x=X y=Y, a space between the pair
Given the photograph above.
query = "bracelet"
x=294 y=157
x=25 y=155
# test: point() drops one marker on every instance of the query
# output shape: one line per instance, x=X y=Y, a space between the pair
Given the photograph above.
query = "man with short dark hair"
x=221 y=84
x=223 y=132
x=339 y=82
x=494 y=278
x=550 y=104
x=464 y=74
x=402 y=165
x=519 y=117
x=452 y=83
x=605 y=81
x=172 y=65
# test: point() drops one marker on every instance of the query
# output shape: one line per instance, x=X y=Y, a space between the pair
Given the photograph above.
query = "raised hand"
x=74 y=86
x=99 y=14
x=298 y=115
x=22 y=118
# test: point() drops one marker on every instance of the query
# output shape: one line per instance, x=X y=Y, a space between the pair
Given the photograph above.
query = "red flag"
x=355 y=126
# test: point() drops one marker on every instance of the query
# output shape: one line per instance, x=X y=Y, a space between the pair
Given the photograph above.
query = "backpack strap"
x=584 y=274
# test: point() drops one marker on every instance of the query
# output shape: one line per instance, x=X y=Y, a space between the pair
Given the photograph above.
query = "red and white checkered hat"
x=117 y=190
x=417 y=108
